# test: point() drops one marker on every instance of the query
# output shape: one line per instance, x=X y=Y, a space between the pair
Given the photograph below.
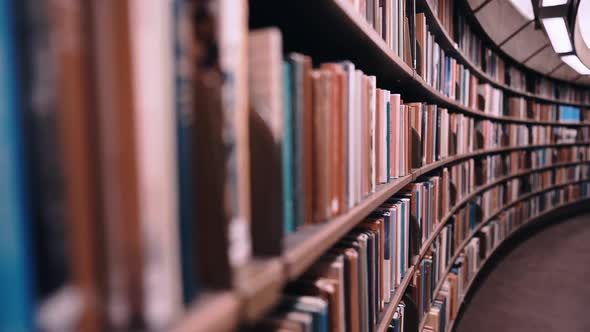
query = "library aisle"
x=539 y=285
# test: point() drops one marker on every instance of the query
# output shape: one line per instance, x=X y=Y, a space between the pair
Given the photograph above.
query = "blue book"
x=288 y=152
x=16 y=269
x=569 y=113
x=185 y=127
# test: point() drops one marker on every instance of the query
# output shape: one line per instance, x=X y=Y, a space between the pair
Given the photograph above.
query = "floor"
x=542 y=284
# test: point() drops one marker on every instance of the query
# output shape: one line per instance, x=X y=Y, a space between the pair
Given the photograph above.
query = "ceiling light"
x=524 y=7
x=558 y=35
x=584 y=20
x=550 y=3
x=574 y=62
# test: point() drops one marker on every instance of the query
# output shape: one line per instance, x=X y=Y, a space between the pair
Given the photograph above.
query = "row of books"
x=552 y=89
x=392 y=20
x=454 y=20
x=454 y=80
x=116 y=164
x=348 y=288
x=389 y=18
x=353 y=282
x=440 y=301
x=361 y=136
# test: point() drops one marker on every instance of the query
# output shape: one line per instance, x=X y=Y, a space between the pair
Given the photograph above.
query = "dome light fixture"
x=561 y=21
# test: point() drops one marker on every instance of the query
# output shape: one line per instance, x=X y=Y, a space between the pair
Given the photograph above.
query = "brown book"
x=454 y=303
x=407 y=43
x=70 y=27
x=303 y=113
x=265 y=87
x=338 y=137
x=351 y=287
x=416 y=134
x=408 y=139
x=421 y=31
x=221 y=139
x=117 y=164
x=322 y=133
x=330 y=269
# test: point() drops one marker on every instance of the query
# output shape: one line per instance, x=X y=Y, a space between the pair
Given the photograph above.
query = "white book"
x=393 y=243
x=152 y=49
x=385 y=123
x=357 y=134
x=402 y=142
x=372 y=131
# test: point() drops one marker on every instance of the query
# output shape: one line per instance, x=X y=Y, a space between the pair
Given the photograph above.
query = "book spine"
x=288 y=152
x=118 y=161
x=185 y=125
x=70 y=25
x=155 y=135
x=232 y=25
x=16 y=267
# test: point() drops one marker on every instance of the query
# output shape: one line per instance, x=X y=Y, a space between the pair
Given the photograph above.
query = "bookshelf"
x=449 y=45
x=160 y=151
x=556 y=212
x=335 y=22
x=333 y=30
x=377 y=58
x=329 y=25
x=304 y=247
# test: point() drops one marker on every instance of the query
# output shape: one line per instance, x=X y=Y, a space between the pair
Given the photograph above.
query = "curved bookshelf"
x=478 y=27
x=426 y=245
x=520 y=227
x=305 y=246
x=376 y=59
x=259 y=284
x=491 y=217
x=447 y=42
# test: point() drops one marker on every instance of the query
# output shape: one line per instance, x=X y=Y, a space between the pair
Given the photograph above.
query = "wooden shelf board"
x=212 y=311
x=387 y=314
x=305 y=246
x=259 y=285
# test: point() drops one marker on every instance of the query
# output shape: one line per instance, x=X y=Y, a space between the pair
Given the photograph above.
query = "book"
x=17 y=272
x=221 y=134
x=117 y=151
x=184 y=127
x=70 y=21
x=156 y=157
x=272 y=189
